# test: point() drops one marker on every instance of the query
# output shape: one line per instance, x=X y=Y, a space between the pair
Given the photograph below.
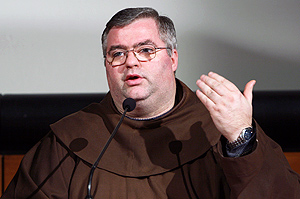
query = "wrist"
x=243 y=137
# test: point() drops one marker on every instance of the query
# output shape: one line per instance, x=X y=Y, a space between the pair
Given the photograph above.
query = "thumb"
x=248 y=91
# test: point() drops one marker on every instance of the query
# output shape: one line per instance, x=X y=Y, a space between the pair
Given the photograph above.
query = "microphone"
x=128 y=105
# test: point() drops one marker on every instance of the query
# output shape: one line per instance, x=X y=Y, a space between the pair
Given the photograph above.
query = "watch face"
x=248 y=133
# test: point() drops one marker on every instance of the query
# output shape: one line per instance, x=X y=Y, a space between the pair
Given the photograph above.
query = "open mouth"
x=132 y=77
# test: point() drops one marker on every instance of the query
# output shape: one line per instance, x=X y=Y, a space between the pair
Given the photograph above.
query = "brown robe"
x=139 y=162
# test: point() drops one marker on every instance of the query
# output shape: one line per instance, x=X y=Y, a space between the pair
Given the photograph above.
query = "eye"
x=117 y=53
x=146 y=50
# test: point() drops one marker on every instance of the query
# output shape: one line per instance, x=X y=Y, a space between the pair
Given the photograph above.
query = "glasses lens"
x=145 y=52
x=116 y=57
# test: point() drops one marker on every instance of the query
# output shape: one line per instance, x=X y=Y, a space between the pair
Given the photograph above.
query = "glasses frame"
x=135 y=54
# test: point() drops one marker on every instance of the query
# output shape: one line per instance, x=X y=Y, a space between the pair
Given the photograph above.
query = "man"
x=174 y=144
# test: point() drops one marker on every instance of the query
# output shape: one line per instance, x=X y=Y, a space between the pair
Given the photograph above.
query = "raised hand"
x=230 y=110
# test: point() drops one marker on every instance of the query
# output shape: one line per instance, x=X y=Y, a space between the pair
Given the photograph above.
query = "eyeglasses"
x=117 y=57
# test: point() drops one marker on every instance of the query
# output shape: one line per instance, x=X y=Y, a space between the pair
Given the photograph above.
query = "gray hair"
x=127 y=16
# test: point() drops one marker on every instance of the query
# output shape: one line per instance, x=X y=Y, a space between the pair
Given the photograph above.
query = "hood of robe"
x=140 y=148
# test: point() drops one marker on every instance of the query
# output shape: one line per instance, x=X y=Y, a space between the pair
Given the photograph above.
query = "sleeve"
x=264 y=173
x=242 y=149
x=45 y=172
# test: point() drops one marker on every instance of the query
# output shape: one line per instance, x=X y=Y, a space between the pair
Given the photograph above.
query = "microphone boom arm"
x=128 y=105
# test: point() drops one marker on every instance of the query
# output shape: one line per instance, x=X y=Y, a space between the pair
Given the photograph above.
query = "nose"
x=131 y=60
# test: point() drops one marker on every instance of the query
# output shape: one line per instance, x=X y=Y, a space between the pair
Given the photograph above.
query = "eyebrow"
x=146 y=42
x=117 y=47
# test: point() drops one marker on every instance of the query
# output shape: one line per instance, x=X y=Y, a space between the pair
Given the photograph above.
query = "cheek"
x=165 y=70
x=114 y=73
x=112 y=78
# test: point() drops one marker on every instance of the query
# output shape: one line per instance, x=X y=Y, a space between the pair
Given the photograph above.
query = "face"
x=141 y=80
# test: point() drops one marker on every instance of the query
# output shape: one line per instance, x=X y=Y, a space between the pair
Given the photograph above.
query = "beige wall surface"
x=53 y=46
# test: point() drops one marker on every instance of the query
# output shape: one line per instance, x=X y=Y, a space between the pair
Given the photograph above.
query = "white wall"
x=54 y=46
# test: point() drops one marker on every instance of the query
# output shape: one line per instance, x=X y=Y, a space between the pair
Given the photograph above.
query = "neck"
x=145 y=111
x=151 y=107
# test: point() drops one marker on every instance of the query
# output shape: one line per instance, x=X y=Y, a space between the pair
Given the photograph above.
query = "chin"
x=137 y=97
x=137 y=94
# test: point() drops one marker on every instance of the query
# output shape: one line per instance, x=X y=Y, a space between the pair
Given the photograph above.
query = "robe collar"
x=140 y=148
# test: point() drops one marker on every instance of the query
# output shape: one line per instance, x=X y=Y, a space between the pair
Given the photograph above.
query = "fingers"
x=216 y=83
x=248 y=91
x=214 y=86
x=205 y=100
x=221 y=80
x=221 y=85
x=206 y=90
x=230 y=110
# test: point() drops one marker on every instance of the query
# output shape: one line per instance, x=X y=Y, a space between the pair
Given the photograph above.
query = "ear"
x=174 y=59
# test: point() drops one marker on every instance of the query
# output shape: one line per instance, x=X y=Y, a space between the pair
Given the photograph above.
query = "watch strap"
x=242 y=139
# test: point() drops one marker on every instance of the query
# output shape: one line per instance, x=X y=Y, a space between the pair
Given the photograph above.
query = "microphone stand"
x=127 y=107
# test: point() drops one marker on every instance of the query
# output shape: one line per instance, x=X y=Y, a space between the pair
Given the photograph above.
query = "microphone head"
x=175 y=146
x=129 y=103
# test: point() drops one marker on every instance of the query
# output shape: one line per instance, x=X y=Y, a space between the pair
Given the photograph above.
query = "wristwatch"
x=245 y=135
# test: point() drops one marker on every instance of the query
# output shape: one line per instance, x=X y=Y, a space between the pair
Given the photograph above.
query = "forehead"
x=140 y=30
